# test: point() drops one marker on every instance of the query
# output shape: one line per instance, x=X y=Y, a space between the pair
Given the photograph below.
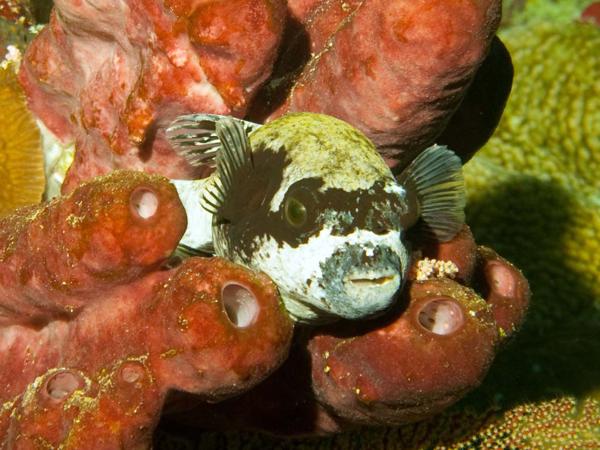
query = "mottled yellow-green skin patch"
x=325 y=147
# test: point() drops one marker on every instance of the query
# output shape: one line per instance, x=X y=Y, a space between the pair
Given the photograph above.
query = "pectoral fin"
x=194 y=137
x=211 y=139
x=435 y=187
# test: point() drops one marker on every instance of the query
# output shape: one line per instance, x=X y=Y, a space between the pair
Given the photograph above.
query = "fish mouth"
x=362 y=280
x=371 y=281
x=372 y=284
x=367 y=293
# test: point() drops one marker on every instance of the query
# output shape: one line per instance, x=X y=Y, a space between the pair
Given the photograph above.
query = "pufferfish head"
x=316 y=208
x=308 y=200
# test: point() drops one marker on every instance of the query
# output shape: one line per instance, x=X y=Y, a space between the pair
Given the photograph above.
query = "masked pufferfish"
x=308 y=200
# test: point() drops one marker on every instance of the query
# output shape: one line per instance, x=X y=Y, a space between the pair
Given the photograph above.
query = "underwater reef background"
x=534 y=196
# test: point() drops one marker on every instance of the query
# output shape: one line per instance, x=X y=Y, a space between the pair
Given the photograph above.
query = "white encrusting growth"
x=178 y=54
x=433 y=268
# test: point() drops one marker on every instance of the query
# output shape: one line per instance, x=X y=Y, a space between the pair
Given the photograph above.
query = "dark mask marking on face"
x=244 y=212
x=371 y=209
x=304 y=211
x=253 y=186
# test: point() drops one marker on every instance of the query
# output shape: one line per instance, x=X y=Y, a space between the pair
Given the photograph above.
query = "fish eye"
x=295 y=212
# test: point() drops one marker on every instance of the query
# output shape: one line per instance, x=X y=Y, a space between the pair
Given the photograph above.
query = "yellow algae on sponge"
x=21 y=159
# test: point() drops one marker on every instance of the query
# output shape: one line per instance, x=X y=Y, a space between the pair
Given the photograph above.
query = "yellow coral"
x=21 y=160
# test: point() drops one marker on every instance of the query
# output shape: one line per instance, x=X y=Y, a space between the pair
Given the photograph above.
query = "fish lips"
x=361 y=281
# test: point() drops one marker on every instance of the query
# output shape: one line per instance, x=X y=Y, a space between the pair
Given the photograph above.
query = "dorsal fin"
x=234 y=153
x=435 y=181
x=194 y=137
